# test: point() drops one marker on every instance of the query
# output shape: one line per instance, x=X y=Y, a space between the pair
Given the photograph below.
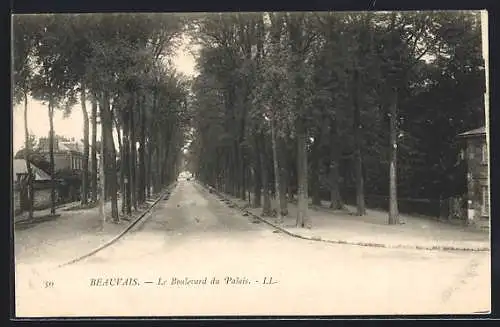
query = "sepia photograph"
x=250 y=164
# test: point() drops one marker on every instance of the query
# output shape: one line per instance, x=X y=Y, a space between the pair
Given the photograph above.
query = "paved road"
x=196 y=256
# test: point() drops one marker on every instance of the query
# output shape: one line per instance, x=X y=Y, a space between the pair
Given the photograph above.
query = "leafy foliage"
x=309 y=65
x=122 y=62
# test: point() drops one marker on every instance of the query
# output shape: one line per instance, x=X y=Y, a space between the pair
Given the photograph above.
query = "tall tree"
x=86 y=147
x=94 y=150
x=52 y=84
x=24 y=41
x=300 y=37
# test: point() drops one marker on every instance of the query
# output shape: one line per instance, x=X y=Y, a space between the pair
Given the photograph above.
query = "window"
x=461 y=156
x=484 y=154
x=471 y=153
x=485 y=200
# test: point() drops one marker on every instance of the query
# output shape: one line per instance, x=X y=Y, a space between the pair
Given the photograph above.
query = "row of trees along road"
x=354 y=103
x=120 y=64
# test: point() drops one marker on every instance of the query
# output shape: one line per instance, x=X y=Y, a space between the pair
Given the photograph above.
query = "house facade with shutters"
x=478 y=191
x=68 y=154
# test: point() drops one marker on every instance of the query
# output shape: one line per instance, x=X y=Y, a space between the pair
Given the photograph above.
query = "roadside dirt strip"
x=278 y=228
x=163 y=196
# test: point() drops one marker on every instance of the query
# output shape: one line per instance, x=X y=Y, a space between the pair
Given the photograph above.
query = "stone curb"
x=366 y=244
x=164 y=195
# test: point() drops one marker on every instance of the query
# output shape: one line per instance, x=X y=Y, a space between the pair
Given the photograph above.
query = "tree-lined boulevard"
x=294 y=123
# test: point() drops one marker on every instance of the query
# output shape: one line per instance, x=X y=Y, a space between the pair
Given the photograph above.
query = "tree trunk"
x=234 y=172
x=302 y=194
x=102 y=201
x=315 y=184
x=226 y=175
x=335 y=198
x=133 y=158
x=148 y=168
x=358 y=164
x=159 y=152
x=27 y=150
x=94 y=150
x=277 y=183
x=166 y=160
x=51 y=155
x=283 y=177
x=241 y=157
x=333 y=171
x=120 y=138
x=142 y=154
x=110 y=162
x=104 y=137
x=126 y=163
x=124 y=177
x=164 y=156
x=142 y=174
x=266 y=209
x=393 y=196
x=242 y=175
x=257 y=184
x=153 y=149
x=157 y=166
x=293 y=179
x=235 y=178
x=172 y=156
x=85 y=171
x=113 y=180
x=249 y=183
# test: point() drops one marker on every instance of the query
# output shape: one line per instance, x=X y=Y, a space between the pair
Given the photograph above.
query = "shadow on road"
x=27 y=224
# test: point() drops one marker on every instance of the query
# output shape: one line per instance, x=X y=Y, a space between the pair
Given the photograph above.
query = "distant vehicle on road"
x=185 y=176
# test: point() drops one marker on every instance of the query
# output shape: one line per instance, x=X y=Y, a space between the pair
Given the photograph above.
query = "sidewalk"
x=342 y=226
x=38 y=213
x=71 y=233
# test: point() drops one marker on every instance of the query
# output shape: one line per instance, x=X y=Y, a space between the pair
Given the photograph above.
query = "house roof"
x=63 y=146
x=19 y=167
x=475 y=132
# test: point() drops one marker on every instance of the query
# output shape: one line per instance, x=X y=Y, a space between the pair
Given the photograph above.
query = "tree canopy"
x=331 y=84
x=340 y=106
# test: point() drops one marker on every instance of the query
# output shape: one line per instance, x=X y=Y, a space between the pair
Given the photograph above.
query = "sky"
x=72 y=127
